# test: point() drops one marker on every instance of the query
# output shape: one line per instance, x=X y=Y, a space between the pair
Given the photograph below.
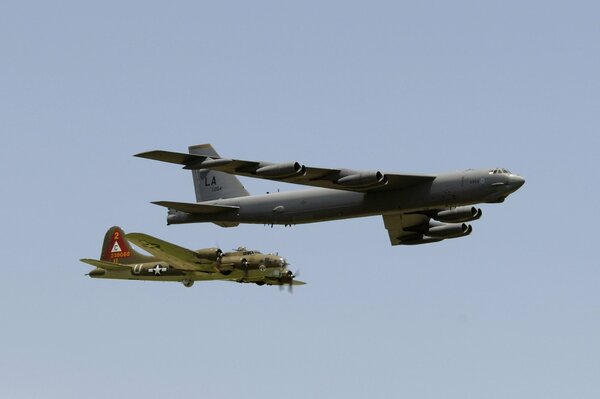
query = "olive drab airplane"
x=174 y=263
x=416 y=209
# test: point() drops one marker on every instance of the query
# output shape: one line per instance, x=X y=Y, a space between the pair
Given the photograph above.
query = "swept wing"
x=293 y=172
x=419 y=228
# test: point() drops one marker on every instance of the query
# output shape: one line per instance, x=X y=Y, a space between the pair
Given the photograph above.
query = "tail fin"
x=117 y=250
x=211 y=185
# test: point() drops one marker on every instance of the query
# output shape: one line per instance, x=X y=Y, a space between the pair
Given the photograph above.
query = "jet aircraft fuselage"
x=316 y=205
x=416 y=208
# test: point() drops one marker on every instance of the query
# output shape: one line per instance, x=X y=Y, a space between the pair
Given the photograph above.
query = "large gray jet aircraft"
x=416 y=209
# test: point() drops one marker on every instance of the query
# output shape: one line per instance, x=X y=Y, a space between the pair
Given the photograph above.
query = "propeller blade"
x=245 y=266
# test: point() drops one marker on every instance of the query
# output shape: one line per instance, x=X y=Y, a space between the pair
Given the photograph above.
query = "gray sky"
x=511 y=311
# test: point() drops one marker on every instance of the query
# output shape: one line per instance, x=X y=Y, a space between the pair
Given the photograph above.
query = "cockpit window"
x=499 y=171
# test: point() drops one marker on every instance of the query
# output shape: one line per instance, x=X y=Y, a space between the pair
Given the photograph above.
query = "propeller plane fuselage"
x=169 y=262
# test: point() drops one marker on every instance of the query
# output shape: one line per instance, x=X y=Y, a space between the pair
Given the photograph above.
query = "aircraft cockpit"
x=500 y=171
x=245 y=251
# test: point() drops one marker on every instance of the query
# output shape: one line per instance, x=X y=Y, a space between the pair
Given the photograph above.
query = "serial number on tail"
x=125 y=254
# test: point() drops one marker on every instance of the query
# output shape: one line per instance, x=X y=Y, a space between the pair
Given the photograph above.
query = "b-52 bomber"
x=174 y=263
x=416 y=209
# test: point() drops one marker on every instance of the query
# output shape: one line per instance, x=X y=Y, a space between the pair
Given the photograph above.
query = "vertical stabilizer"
x=212 y=185
x=116 y=249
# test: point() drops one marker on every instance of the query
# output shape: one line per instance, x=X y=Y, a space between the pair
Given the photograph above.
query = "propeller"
x=245 y=267
x=289 y=280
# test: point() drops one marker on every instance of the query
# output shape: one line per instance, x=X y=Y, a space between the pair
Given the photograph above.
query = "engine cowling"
x=213 y=254
x=228 y=264
x=452 y=230
x=281 y=170
x=460 y=214
x=236 y=261
x=363 y=179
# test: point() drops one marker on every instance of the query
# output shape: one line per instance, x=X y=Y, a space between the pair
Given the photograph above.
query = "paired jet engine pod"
x=460 y=214
x=363 y=179
x=210 y=253
x=449 y=230
x=281 y=170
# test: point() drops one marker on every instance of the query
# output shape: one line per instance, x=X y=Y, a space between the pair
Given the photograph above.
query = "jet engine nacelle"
x=281 y=170
x=209 y=253
x=363 y=179
x=460 y=214
x=449 y=230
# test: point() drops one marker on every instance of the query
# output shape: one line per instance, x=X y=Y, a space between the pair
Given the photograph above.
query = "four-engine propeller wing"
x=179 y=257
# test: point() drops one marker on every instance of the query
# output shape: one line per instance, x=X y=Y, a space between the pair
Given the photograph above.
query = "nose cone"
x=515 y=182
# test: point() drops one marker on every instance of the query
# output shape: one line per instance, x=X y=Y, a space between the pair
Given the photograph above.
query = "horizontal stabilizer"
x=195 y=208
x=105 y=265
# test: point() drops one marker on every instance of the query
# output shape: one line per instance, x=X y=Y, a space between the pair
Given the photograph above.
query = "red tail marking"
x=117 y=248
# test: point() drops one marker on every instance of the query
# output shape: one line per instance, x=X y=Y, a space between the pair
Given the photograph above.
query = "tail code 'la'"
x=212 y=185
x=116 y=249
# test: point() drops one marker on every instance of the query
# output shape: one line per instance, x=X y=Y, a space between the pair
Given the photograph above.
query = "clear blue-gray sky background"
x=431 y=86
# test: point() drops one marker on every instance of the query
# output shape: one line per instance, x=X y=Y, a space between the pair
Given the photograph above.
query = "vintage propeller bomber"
x=416 y=209
x=174 y=263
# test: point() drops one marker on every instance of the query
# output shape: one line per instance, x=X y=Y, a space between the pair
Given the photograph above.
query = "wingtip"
x=159 y=203
x=143 y=154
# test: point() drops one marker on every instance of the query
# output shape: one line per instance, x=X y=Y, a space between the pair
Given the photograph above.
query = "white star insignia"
x=157 y=270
